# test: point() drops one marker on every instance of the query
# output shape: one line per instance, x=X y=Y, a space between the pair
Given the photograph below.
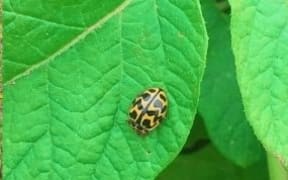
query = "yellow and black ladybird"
x=148 y=110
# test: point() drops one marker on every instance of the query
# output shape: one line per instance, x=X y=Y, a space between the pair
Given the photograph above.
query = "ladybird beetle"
x=148 y=110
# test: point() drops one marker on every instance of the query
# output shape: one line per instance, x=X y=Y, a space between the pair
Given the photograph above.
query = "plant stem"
x=276 y=170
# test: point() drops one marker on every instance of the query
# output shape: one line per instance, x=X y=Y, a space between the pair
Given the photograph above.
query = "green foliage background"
x=72 y=68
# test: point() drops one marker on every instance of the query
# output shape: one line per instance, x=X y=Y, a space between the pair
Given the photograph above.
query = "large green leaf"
x=259 y=39
x=220 y=102
x=72 y=69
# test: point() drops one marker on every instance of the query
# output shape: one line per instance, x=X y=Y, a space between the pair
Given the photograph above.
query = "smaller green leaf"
x=208 y=164
x=259 y=40
x=220 y=102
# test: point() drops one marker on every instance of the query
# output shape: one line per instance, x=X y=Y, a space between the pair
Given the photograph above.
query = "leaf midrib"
x=71 y=43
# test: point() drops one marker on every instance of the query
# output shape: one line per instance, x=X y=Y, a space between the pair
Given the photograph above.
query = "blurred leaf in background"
x=208 y=164
x=220 y=102
x=259 y=40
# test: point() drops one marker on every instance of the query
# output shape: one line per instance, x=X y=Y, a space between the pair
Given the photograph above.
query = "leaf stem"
x=276 y=169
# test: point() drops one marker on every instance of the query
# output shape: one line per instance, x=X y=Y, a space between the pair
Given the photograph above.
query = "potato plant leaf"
x=220 y=101
x=72 y=69
x=259 y=40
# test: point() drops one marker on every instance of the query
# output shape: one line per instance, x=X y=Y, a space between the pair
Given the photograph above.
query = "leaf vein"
x=71 y=43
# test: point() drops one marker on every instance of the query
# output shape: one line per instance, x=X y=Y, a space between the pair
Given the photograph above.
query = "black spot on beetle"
x=162 y=97
x=146 y=123
x=136 y=101
x=133 y=115
x=152 y=90
x=140 y=106
x=163 y=109
x=138 y=120
x=152 y=113
x=157 y=118
x=146 y=96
